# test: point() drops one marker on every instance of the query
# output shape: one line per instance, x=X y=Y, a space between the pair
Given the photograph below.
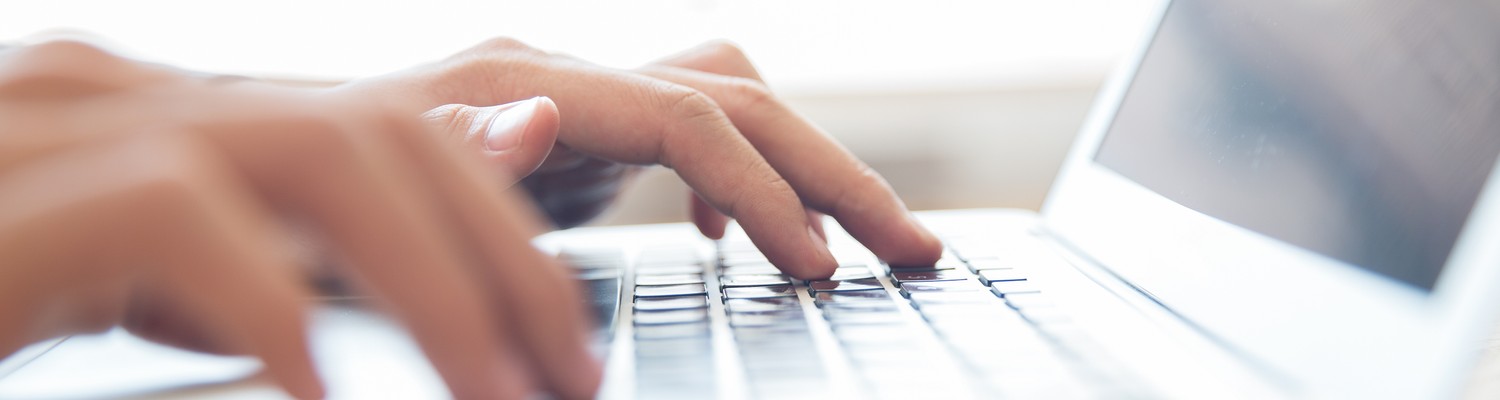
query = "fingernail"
x=509 y=126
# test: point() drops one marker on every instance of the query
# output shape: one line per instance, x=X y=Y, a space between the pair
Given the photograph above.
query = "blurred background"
x=958 y=103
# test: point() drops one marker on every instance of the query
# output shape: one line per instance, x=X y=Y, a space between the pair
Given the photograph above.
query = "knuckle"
x=505 y=44
x=751 y=94
x=687 y=104
x=725 y=48
x=65 y=50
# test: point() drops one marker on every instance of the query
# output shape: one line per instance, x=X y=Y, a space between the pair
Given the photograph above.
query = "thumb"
x=514 y=138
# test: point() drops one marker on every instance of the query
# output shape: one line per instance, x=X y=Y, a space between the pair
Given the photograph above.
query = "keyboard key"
x=766 y=318
x=766 y=269
x=668 y=269
x=943 y=264
x=603 y=296
x=671 y=316
x=869 y=306
x=756 y=292
x=1011 y=287
x=988 y=276
x=592 y=257
x=773 y=333
x=864 y=318
x=928 y=276
x=671 y=331
x=730 y=281
x=671 y=303
x=1046 y=316
x=661 y=280
x=667 y=255
x=982 y=264
x=1027 y=300
x=762 y=304
x=966 y=285
x=596 y=274
x=670 y=290
x=851 y=272
x=673 y=347
x=747 y=259
x=845 y=286
x=978 y=297
x=853 y=335
x=852 y=297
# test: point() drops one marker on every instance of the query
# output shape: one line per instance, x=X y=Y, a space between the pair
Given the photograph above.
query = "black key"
x=989 y=276
x=966 y=285
x=668 y=269
x=671 y=316
x=672 y=331
x=845 y=286
x=671 y=303
x=1012 y=287
x=731 y=281
x=940 y=265
x=670 y=290
x=928 y=276
x=852 y=297
x=660 y=280
x=756 y=292
x=762 y=304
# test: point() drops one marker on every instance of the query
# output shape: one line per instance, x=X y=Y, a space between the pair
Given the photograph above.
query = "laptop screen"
x=1361 y=130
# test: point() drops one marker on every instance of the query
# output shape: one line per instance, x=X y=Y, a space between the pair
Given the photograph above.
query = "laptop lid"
x=1311 y=183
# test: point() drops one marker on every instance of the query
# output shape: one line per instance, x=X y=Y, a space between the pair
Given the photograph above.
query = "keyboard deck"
x=723 y=322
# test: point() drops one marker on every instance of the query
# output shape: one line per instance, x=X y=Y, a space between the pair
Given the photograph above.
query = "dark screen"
x=1362 y=130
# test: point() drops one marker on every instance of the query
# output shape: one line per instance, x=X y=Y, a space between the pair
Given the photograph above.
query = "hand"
x=740 y=148
x=135 y=193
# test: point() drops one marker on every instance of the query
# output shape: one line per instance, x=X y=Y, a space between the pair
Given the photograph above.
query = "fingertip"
x=920 y=247
x=545 y=122
x=824 y=266
x=710 y=222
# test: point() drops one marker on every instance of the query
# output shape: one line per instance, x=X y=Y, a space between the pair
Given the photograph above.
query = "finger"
x=541 y=304
x=514 y=137
x=161 y=200
x=719 y=57
x=710 y=221
x=826 y=176
x=817 y=223
x=363 y=195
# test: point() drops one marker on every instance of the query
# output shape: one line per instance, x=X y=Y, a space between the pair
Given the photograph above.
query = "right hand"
x=139 y=194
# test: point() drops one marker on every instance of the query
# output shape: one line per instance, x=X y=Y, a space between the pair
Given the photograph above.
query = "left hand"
x=703 y=113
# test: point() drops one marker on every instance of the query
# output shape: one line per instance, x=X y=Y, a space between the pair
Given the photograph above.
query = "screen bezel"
x=1333 y=328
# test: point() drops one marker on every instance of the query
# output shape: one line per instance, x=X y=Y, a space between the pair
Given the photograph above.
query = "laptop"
x=1271 y=199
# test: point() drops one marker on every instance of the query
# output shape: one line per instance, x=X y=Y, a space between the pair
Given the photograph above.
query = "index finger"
x=825 y=175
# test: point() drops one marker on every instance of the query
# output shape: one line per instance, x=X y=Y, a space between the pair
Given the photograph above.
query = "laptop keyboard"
x=972 y=325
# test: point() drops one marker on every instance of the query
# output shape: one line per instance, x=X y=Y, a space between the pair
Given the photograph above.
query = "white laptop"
x=1273 y=199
